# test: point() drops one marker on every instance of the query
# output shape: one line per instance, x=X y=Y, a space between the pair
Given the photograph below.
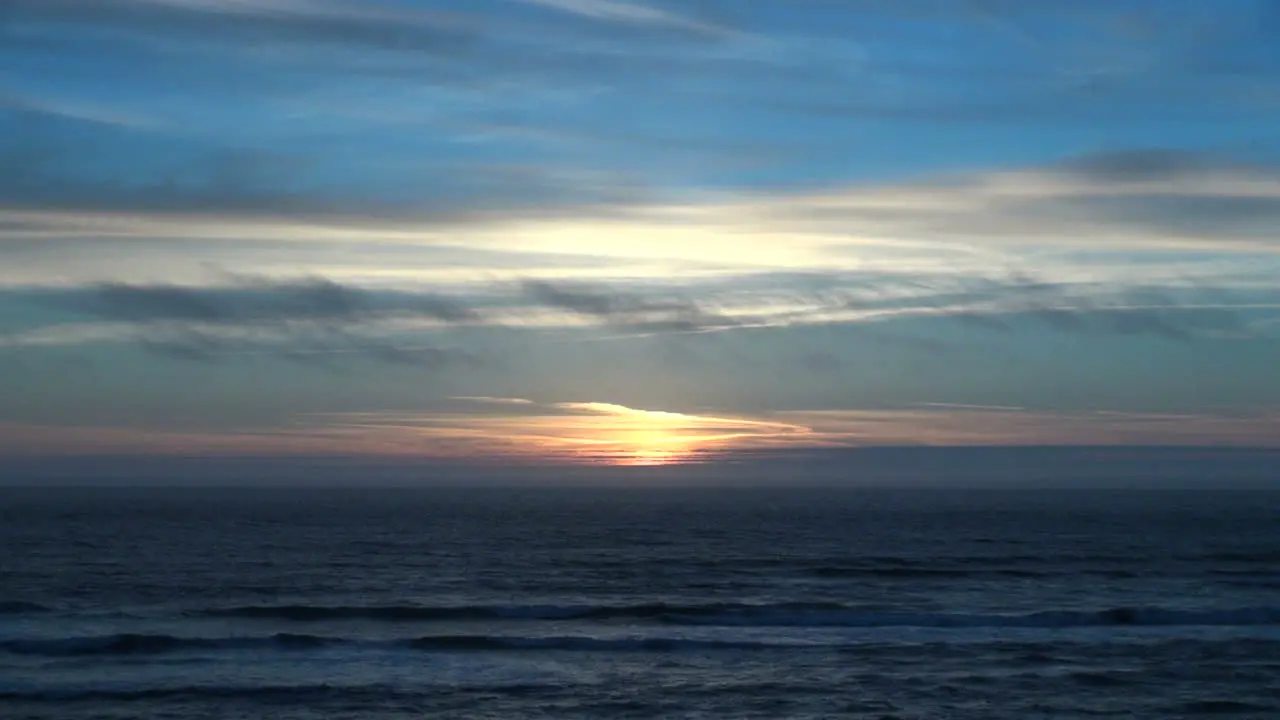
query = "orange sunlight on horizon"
x=609 y=434
x=519 y=431
x=592 y=433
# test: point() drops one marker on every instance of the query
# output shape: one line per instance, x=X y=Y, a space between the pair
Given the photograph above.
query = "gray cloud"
x=70 y=248
x=258 y=300
x=1179 y=215
x=630 y=311
x=329 y=326
x=319 y=307
x=52 y=170
x=44 y=172
x=364 y=24
x=1003 y=303
x=1020 y=299
x=315 y=321
x=1140 y=164
x=1101 y=311
x=322 y=347
x=1206 y=208
x=1146 y=198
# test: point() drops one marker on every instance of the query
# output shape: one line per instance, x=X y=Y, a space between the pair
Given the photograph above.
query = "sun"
x=598 y=433
x=650 y=458
x=651 y=447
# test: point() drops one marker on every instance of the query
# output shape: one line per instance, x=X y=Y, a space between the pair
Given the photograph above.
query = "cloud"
x=57 y=177
x=662 y=417
x=52 y=174
x=601 y=432
x=1125 y=199
x=1146 y=165
x=944 y=425
x=311 y=320
x=1157 y=200
x=319 y=320
x=85 y=112
x=253 y=300
x=574 y=432
x=598 y=433
x=324 y=347
x=1141 y=200
x=632 y=13
x=933 y=248
x=630 y=311
x=1050 y=64
x=485 y=399
x=1006 y=303
x=964 y=406
x=1001 y=302
x=370 y=24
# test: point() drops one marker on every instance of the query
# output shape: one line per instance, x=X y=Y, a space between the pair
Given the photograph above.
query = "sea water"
x=638 y=603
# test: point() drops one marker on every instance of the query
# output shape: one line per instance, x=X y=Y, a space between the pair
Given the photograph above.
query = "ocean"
x=638 y=603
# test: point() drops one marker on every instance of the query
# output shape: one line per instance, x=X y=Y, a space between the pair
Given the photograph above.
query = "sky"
x=545 y=233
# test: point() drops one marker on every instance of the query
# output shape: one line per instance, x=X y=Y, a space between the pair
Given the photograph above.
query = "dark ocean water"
x=638 y=604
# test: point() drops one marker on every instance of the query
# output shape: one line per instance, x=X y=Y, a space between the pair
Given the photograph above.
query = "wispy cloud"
x=75 y=110
x=368 y=24
x=604 y=433
x=250 y=300
x=617 y=11
x=1146 y=200
x=599 y=432
x=579 y=432
x=959 y=426
x=312 y=317
x=312 y=320
x=630 y=311
x=485 y=399
x=965 y=406
x=661 y=204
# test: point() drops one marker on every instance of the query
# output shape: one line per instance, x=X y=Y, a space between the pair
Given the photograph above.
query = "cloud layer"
x=471 y=212
x=596 y=433
x=311 y=314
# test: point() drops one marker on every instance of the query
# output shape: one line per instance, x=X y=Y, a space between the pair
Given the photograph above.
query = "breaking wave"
x=764 y=615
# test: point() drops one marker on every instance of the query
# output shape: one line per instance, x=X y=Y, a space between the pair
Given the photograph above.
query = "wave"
x=133 y=644
x=417 y=613
x=825 y=614
x=141 y=644
x=1222 y=707
x=1050 y=619
x=129 y=644
x=588 y=644
x=1257 y=583
x=21 y=607
x=1049 y=563
x=923 y=573
x=1243 y=556
x=764 y=615
x=282 y=693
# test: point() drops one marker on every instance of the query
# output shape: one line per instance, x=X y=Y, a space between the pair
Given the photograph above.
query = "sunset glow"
x=585 y=433
x=605 y=433
x=634 y=232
